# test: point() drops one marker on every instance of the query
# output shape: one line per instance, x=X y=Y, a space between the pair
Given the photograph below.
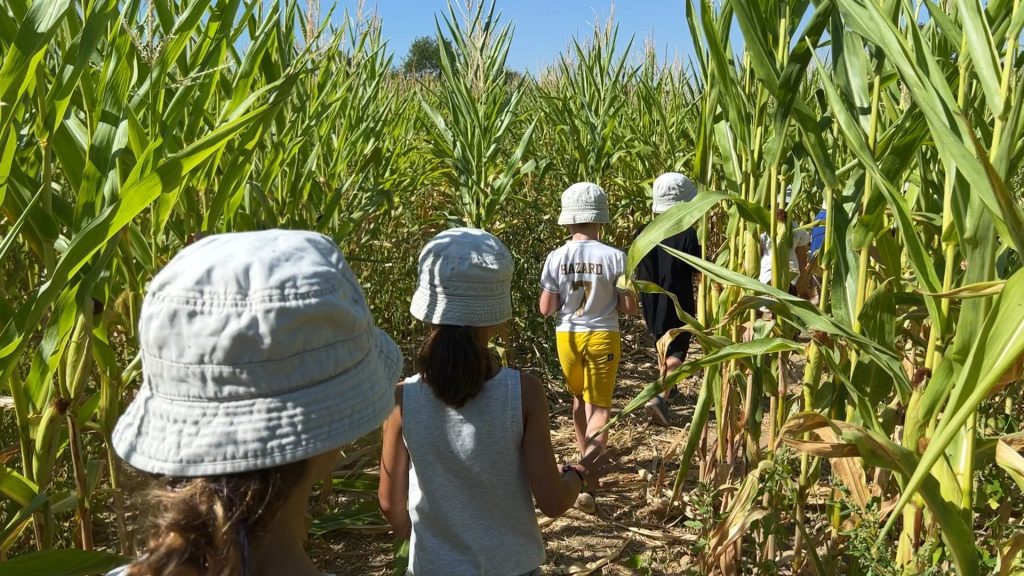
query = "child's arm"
x=627 y=303
x=554 y=491
x=393 y=491
x=549 y=302
x=801 y=256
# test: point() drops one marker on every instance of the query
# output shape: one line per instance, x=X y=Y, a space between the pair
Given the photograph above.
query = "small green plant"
x=859 y=550
x=703 y=513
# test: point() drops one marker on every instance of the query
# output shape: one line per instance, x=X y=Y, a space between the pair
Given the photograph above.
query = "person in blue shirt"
x=818 y=232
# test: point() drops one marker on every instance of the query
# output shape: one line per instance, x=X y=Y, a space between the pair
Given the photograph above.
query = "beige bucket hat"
x=584 y=203
x=670 y=189
x=258 y=349
x=465 y=279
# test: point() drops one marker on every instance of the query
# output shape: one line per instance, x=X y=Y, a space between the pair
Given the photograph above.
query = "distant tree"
x=423 y=57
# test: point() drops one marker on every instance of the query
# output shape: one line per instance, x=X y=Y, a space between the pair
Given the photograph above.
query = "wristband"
x=571 y=468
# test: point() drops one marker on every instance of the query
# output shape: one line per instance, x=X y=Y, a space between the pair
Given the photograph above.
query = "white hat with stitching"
x=465 y=279
x=258 y=350
x=583 y=203
x=670 y=189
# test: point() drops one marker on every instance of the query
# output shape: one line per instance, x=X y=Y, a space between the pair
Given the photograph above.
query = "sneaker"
x=585 y=503
x=657 y=408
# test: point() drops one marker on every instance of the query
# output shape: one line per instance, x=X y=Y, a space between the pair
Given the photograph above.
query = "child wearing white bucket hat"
x=468 y=447
x=578 y=284
x=675 y=277
x=260 y=359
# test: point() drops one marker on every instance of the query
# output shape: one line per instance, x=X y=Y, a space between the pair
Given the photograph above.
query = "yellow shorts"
x=590 y=362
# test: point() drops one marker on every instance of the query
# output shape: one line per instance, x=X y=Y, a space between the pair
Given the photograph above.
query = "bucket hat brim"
x=178 y=437
x=583 y=217
x=439 y=308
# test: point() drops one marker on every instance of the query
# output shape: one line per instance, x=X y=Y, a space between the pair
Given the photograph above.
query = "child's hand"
x=590 y=475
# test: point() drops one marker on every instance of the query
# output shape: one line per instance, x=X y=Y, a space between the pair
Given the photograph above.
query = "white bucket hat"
x=670 y=189
x=583 y=203
x=465 y=279
x=258 y=350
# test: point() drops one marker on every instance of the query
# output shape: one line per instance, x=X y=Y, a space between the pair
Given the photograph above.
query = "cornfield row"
x=129 y=128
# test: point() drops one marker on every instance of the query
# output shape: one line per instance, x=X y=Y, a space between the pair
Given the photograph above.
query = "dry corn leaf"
x=1013 y=374
x=845 y=465
x=1008 y=554
x=1011 y=461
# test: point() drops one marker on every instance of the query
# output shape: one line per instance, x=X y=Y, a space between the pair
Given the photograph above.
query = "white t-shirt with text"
x=583 y=273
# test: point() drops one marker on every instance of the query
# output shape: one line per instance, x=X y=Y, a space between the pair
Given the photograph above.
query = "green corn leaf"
x=68 y=562
x=17 y=487
x=20 y=521
x=134 y=199
x=878 y=451
x=982 y=51
x=6 y=162
x=946 y=25
x=712 y=381
x=950 y=129
x=652 y=288
x=12 y=233
x=803 y=312
x=976 y=290
x=70 y=143
x=98 y=16
x=1000 y=343
x=732 y=351
x=26 y=52
x=674 y=220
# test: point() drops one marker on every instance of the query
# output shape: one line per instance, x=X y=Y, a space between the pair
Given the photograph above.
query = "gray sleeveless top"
x=469 y=499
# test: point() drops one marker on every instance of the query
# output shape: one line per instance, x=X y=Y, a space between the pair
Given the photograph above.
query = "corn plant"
x=128 y=131
x=583 y=100
x=892 y=118
x=479 y=106
x=130 y=128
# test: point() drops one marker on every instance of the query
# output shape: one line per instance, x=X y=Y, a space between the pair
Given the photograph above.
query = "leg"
x=597 y=418
x=602 y=350
x=570 y=357
x=657 y=407
x=602 y=353
x=677 y=350
x=672 y=363
x=579 y=423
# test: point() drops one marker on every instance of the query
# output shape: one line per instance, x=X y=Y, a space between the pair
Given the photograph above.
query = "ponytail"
x=454 y=364
x=205 y=524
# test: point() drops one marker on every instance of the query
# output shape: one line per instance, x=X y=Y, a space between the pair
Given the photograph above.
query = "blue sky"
x=543 y=28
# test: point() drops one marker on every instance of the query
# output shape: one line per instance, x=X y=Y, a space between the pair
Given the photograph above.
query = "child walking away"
x=674 y=276
x=797 y=257
x=260 y=359
x=469 y=441
x=579 y=289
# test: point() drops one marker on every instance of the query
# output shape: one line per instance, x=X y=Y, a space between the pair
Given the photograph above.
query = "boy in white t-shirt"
x=579 y=290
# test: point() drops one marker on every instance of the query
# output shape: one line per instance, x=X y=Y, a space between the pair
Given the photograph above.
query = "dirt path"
x=627 y=529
